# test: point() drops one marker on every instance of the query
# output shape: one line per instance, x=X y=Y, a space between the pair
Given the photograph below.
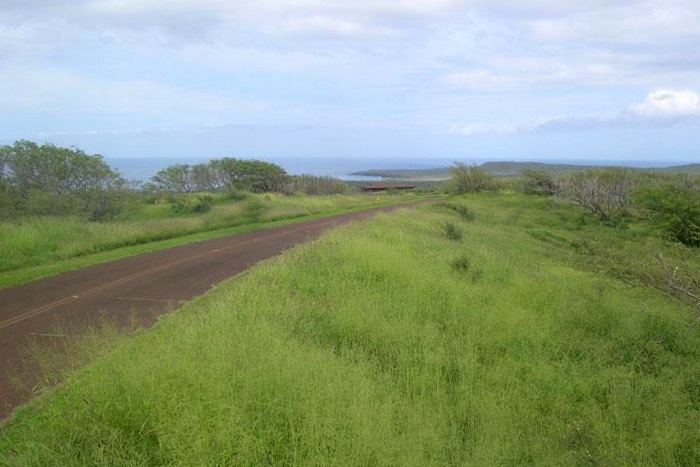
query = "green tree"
x=252 y=175
x=177 y=178
x=203 y=177
x=47 y=179
x=218 y=174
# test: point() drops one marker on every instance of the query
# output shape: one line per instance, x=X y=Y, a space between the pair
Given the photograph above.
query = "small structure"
x=385 y=186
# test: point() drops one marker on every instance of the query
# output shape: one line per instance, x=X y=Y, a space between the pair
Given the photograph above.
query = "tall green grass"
x=38 y=241
x=387 y=343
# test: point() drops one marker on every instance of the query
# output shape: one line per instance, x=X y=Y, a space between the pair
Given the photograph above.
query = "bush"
x=604 y=192
x=314 y=185
x=673 y=204
x=470 y=178
x=235 y=194
x=183 y=204
x=538 y=182
x=461 y=264
x=452 y=231
x=464 y=211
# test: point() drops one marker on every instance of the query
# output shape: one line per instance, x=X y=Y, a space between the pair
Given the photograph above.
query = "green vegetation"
x=470 y=179
x=49 y=180
x=61 y=208
x=39 y=246
x=536 y=340
x=673 y=204
x=219 y=174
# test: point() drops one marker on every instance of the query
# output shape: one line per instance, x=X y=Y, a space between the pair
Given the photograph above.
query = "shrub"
x=604 y=192
x=314 y=185
x=235 y=194
x=470 y=178
x=183 y=204
x=464 y=211
x=452 y=231
x=539 y=182
x=673 y=204
x=461 y=264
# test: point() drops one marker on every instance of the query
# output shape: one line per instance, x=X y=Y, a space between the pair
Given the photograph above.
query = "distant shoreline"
x=505 y=169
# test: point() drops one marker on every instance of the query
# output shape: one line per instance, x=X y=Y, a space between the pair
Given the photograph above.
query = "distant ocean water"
x=143 y=168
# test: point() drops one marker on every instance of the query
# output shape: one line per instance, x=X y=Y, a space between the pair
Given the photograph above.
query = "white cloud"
x=660 y=108
x=481 y=128
x=668 y=104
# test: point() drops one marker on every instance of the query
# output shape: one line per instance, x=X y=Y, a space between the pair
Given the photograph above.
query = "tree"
x=47 y=179
x=260 y=176
x=252 y=175
x=176 y=178
x=470 y=178
x=203 y=177
x=605 y=192
x=218 y=174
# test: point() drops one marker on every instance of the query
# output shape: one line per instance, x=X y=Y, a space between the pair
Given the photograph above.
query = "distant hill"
x=686 y=169
x=505 y=169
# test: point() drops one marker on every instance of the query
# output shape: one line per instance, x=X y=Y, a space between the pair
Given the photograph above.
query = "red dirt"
x=142 y=287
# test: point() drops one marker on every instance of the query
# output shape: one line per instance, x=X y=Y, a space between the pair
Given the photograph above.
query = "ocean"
x=143 y=168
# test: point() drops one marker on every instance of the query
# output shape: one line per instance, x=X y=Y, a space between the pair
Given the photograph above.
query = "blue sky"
x=443 y=79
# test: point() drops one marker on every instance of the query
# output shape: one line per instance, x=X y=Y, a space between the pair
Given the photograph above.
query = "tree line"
x=249 y=175
x=46 y=179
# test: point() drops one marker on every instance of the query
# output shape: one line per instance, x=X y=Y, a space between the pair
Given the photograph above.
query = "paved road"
x=138 y=287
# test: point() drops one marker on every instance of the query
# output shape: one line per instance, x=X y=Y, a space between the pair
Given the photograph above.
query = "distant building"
x=384 y=186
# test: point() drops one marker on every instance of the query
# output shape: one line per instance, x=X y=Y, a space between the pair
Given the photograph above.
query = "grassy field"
x=490 y=331
x=37 y=247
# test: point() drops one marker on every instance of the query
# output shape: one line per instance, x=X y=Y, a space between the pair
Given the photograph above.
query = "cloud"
x=666 y=104
x=661 y=108
x=413 y=63
x=480 y=128
x=325 y=26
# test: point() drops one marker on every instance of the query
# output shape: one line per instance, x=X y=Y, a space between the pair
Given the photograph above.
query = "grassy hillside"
x=489 y=334
x=506 y=169
x=36 y=247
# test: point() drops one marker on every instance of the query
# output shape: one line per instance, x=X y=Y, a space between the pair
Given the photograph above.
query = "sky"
x=467 y=80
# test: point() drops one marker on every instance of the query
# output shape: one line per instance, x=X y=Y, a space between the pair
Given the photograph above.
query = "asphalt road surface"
x=137 y=288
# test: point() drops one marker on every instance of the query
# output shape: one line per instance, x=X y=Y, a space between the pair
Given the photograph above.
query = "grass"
x=386 y=343
x=38 y=247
